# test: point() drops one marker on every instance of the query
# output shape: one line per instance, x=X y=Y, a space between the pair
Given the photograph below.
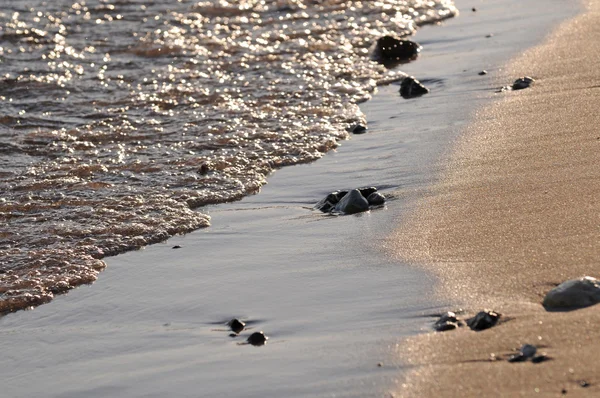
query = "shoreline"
x=514 y=214
x=319 y=318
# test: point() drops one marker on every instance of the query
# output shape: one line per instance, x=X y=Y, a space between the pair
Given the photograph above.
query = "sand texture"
x=517 y=211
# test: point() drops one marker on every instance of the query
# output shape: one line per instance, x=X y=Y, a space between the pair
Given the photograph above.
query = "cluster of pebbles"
x=481 y=321
x=237 y=326
x=568 y=296
x=350 y=202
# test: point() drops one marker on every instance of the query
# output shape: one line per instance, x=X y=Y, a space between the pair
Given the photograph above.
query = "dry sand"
x=517 y=211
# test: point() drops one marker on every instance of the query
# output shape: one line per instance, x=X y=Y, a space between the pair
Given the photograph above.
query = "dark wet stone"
x=528 y=350
x=573 y=294
x=329 y=203
x=352 y=202
x=522 y=82
x=518 y=358
x=483 y=320
x=388 y=49
x=257 y=339
x=540 y=358
x=204 y=169
x=366 y=191
x=489 y=35
x=584 y=384
x=236 y=325
x=483 y=72
x=411 y=88
x=447 y=321
x=376 y=199
x=359 y=129
x=474 y=9
x=176 y=247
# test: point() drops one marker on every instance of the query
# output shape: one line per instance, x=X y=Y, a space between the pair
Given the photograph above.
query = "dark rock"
x=366 y=191
x=447 y=321
x=489 y=35
x=540 y=358
x=176 y=247
x=329 y=203
x=376 y=199
x=257 y=339
x=584 y=384
x=573 y=294
x=528 y=350
x=236 y=325
x=483 y=72
x=204 y=169
x=359 y=129
x=474 y=9
x=522 y=82
x=352 y=202
x=518 y=358
x=388 y=49
x=483 y=320
x=411 y=88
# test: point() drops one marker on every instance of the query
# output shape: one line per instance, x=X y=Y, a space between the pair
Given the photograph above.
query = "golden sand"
x=517 y=211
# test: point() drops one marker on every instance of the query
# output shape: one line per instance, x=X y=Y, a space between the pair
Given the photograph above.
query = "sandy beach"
x=515 y=213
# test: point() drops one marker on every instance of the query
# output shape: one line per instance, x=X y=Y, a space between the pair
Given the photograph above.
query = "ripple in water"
x=120 y=117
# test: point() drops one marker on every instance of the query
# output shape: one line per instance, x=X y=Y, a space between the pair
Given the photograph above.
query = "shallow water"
x=120 y=117
x=322 y=288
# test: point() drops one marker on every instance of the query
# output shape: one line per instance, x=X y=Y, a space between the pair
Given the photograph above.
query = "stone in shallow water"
x=257 y=339
x=411 y=88
x=389 y=49
x=359 y=129
x=352 y=202
x=236 y=325
x=573 y=294
x=329 y=203
x=483 y=320
x=376 y=199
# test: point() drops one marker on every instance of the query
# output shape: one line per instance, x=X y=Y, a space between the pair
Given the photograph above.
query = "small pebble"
x=380 y=364
x=528 y=350
x=584 y=384
x=489 y=35
x=257 y=339
x=563 y=391
x=483 y=72
x=204 y=169
x=359 y=129
x=176 y=247
x=540 y=358
x=236 y=325
x=474 y=9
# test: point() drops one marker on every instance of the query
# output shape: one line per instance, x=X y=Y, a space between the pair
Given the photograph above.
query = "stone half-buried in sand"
x=573 y=294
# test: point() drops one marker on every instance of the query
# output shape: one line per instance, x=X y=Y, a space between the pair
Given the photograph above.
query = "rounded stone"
x=376 y=199
x=257 y=339
x=391 y=49
x=573 y=294
x=522 y=82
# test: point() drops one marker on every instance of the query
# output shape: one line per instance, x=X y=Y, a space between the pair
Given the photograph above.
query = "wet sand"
x=515 y=213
